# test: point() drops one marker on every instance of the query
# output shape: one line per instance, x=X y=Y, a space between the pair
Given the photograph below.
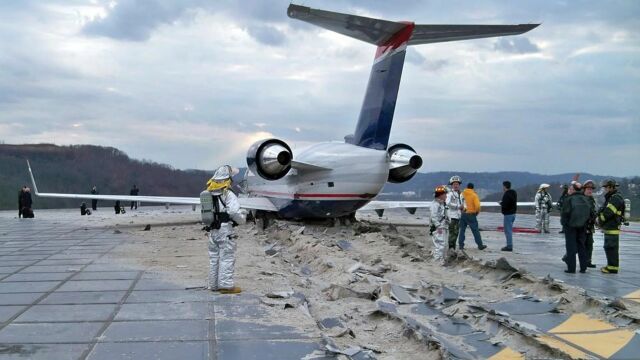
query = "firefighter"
x=543 y=207
x=439 y=222
x=454 y=210
x=610 y=217
x=226 y=213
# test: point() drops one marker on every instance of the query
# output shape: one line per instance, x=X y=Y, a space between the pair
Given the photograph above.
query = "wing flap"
x=257 y=203
x=303 y=166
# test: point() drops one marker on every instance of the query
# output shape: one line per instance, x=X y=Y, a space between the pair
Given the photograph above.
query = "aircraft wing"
x=258 y=203
x=382 y=205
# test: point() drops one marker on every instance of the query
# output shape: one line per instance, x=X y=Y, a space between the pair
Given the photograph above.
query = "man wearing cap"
x=543 y=207
x=438 y=221
x=610 y=218
x=508 y=207
x=454 y=210
x=222 y=245
x=576 y=211
x=588 y=192
x=469 y=217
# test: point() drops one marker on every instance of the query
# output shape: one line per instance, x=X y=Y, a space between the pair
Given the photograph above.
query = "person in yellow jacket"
x=469 y=217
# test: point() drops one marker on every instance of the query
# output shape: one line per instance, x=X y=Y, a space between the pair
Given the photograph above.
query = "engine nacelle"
x=404 y=163
x=270 y=159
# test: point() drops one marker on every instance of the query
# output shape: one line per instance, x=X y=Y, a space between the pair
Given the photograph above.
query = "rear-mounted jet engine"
x=403 y=163
x=270 y=159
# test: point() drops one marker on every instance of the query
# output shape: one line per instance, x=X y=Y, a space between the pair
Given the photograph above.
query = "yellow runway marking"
x=634 y=296
x=579 y=323
x=603 y=344
x=507 y=354
x=562 y=346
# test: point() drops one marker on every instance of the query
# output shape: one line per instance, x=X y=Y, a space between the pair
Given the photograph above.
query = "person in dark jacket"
x=565 y=193
x=134 y=192
x=26 y=203
x=94 y=202
x=20 y=200
x=508 y=207
x=588 y=192
x=574 y=217
x=610 y=218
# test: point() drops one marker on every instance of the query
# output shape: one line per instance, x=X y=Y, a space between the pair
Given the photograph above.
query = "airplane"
x=335 y=179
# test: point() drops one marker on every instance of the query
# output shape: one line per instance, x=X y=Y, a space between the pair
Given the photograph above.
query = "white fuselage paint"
x=357 y=175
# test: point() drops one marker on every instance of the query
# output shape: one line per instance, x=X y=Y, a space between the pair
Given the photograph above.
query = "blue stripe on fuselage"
x=376 y=115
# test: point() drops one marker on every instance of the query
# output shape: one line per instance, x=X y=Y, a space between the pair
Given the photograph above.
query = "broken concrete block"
x=344 y=245
x=335 y=292
x=401 y=295
x=279 y=294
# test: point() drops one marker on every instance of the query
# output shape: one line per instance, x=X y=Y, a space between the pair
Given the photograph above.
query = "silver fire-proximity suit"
x=543 y=207
x=222 y=244
x=220 y=210
x=440 y=226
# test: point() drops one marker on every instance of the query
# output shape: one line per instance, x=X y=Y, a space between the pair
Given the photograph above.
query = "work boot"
x=609 y=269
x=233 y=290
x=507 y=248
x=591 y=265
x=482 y=247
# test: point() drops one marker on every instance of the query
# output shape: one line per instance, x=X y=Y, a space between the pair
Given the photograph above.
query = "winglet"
x=33 y=181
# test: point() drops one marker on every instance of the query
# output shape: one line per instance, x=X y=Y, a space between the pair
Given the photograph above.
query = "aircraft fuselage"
x=356 y=176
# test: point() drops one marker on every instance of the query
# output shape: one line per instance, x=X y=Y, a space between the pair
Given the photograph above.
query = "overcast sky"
x=192 y=83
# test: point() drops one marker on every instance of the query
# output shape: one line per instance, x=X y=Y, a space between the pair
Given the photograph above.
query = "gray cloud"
x=135 y=20
x=516 y=45
x=267 y=34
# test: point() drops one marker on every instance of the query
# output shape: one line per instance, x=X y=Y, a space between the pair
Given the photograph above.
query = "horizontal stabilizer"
x=427 y=34
x=378 y=31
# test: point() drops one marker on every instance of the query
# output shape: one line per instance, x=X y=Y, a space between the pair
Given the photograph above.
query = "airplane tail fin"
x=391 y=38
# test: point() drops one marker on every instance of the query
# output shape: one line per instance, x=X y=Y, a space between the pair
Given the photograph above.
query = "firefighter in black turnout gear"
x=610 y=217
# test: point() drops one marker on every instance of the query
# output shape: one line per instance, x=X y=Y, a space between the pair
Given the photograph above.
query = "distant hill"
x=75 y=168
x=485 y=183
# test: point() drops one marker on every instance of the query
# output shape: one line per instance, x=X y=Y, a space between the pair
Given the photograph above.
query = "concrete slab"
x=42 y=351
x=240 y=311
x=154 y=284
x=267 y=350
x=163 y=311
x=27 y=286
x=85 y=297
x=19 y=298
x=249 y=330
x=157 y=296
x=50 y=268
x=10 y=269
x=173 y=330
x=65 y=262
x=106 y=275
x=56 y=313
x=8 y=311
x=37 y=277
x=151 y=350
x=96 y=285
x=78 y=332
